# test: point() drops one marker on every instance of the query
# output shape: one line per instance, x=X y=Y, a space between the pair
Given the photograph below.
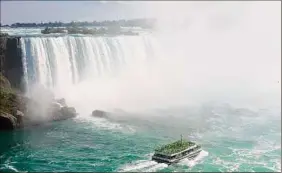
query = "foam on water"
x=104 y=124
x=10 y=167
x=138 y=165
x=258 y=158
x=153 y=166
x=194 y=161
x=278 y=166
x=149 y=155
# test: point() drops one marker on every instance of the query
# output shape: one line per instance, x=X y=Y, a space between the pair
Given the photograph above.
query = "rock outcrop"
x=19 y=111
x=61 y=101
x=100 y=114
x=7 y=121
x=11 y=60
x=11 y=106
x=3 y=45
x=64 y=113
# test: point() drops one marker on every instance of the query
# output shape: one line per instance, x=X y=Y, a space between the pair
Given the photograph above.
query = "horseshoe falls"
x=131 y=76
x=212 y=75
x=64 y=61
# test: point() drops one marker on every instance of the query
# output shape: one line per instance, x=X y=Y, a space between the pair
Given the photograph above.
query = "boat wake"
x=143 y=166
x=196 y=160
x=153 y=166
x=159 y=166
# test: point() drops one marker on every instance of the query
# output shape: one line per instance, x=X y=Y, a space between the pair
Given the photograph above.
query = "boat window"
x=194 y=149
x=162 y=156
x=159 y=155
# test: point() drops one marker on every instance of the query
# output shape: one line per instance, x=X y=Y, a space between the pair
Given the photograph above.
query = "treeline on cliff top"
x=111 y=30
x=143 y=23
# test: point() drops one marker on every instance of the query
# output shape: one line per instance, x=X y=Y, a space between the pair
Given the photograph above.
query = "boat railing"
x=177 y=156
x=192 y=147
x=173 y=154
x=176 y=145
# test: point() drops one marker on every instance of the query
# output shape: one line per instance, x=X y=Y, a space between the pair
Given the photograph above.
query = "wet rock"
x=62 y=101
x=11 y=61
x=68 y=112
x=99 y=113
x=7 y=121
x=18 y=111
x=19 y=116
x=4 y=83
x=55 y=106
x=63 y=113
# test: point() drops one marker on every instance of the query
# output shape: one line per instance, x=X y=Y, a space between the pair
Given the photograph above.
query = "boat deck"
x=176 y=151
x=175 y=147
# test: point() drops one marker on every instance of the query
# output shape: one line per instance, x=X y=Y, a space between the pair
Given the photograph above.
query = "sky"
x=65 y=11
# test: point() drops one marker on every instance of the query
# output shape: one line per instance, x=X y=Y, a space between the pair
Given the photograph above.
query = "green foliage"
x=48 y=30
x=144 y=23
x=174 y=147
x=111 y=30
x=4 y=82
x=8 y=100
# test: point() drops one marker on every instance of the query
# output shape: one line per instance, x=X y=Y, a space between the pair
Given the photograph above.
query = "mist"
x=40 y=100
x=226 y=52
x=197 y=53
x=207 y=72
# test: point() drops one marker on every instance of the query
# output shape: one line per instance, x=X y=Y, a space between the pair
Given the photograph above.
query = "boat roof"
x=174 y=147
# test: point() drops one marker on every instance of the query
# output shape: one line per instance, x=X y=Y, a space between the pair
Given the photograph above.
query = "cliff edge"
x=16 y=109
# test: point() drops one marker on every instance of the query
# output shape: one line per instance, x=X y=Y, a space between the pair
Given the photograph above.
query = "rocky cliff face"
x=11 y=60
x=17 y=110
x=11 y=106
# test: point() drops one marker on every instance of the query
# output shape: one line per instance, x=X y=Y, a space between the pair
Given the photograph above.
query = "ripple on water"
x=104 y=124
x=83 y=144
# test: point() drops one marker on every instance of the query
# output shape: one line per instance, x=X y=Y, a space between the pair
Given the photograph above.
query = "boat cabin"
x=176 y=151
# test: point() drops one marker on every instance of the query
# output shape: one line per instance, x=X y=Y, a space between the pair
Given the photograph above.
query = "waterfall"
x=150 y=70
x=24 y=62
x=67 y=60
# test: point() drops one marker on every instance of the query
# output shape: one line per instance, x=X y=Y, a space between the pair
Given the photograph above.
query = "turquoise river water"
x=232 y=140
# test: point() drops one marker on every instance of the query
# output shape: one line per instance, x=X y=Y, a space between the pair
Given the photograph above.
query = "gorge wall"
x=11 y=61
x=16 y=109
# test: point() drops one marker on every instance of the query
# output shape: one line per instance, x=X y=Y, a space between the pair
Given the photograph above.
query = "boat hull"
x=169 y=162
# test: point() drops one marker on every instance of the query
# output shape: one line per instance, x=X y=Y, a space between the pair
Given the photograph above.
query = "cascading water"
x=175 y=65
x=145 y=71
x=61 y=62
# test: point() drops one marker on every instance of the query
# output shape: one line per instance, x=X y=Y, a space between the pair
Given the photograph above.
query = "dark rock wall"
x=3 y=43
x=15 y=108
x=11 y=61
